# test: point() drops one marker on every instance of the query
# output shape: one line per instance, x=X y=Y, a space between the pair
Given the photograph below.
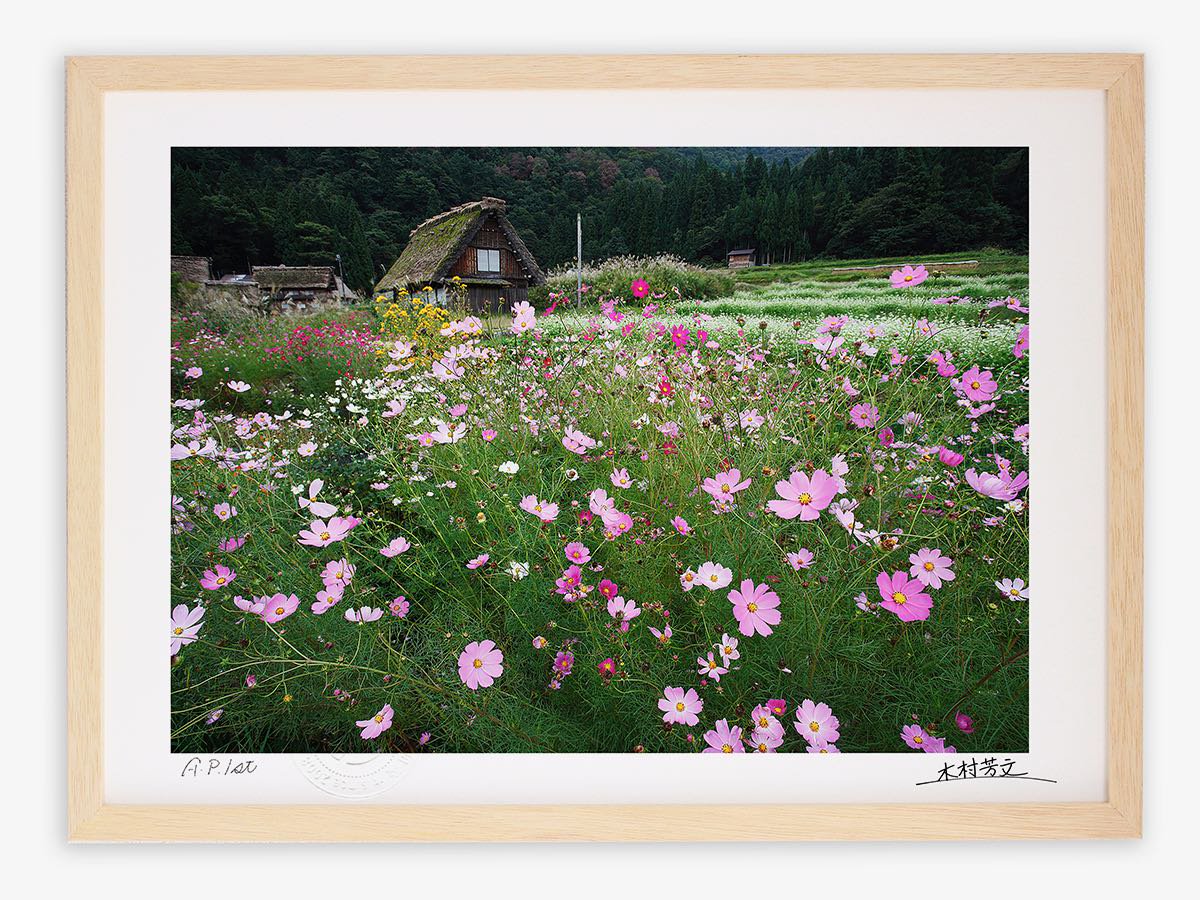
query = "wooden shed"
x=742 y=259
x=474 y=242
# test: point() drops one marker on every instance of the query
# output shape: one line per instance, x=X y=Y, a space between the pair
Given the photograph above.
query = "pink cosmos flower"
x=801 y=559
x=479 y=561
x=254 y=606
x=620 y=478
x=564 y=661
x=728 y=648
x=322 y=534
x=543 y=509
x=663 y=636
x=681 y=525
x=570 y=580
x=607 y=589
x=680 y=707
x=820 y=746
x=363 y=614
x=318 y=508
x=308 y=448
x=755 y=608
x=1021 y=347
x=622 y=609
x=377 y=724
x=725 y=484
x=949 y=458
x=480 y=664
x=398 y=607
x=930 y=568
x=764 y=740
x=337 y=573
x=217 y=577
x=804 y=496
x=539 y=642
x=224 y=511
x=915 y=736
x=777 y=707
x=279 y=607
x=639 y=288
x=396 y=547
x=577 y=442
x=233 y=544
x=724 y=739
x=713 y=576
x=864 y=415
x=185 y=625
x=711 y=667
x=816 y=722
x=577 y=553
x=1013 y=589
x=327 y=599
x=964 y=723
x=997 y=487
x=978 y=386
x=905 y=597
x=908 y=276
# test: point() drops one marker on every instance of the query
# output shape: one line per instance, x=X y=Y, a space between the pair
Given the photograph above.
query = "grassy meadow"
x=788 y=516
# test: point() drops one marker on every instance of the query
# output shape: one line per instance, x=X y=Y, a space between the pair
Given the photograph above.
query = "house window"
x=487 y=260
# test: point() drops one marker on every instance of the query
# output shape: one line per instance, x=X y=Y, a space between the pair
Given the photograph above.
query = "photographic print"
x=599 y=449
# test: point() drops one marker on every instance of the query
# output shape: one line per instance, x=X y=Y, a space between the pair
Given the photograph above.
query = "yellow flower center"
x=725 y=748
x=908 y=278
x=728 y=650
x=220 y=581
x=752 y=607
x=324 y=535
x=814 y=727
x=1015 y=592
x=337 y=574
x=805 y=499
x=679 y=707
x=279 y=610
x=179 y=631
x=928 y=567
x=899 y=597
x=918 y=740
x=379 y=718
x=975 y=385
x=689 y=577
x=712 y=664
x=478 y=663
x=762 y=748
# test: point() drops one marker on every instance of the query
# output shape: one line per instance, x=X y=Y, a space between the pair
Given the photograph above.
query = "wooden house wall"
x=491 y=237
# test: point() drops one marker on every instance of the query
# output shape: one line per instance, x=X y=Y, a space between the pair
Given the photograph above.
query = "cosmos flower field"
x=632 y=527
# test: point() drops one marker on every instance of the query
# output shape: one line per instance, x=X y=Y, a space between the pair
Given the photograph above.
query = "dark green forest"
x=301 y=206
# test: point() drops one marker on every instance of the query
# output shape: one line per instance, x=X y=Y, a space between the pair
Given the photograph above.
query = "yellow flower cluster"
x=413 y=319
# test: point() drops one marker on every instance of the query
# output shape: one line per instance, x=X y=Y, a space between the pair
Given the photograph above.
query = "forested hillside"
x=256 y=206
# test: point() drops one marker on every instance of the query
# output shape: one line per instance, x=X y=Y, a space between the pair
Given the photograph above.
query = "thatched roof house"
x=196 y=269
x=475 y=243
x=280 y=281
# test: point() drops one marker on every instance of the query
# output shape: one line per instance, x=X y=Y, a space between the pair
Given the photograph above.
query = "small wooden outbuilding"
x=742 y=259
x=474 y=242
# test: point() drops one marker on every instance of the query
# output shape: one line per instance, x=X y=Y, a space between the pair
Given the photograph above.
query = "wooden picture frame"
x=91 y=79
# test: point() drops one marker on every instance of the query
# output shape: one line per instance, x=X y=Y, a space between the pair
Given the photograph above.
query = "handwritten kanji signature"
x=988 y=767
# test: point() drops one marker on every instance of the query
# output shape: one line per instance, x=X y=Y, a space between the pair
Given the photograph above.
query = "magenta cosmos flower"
x=279 y=607
x=908 y=276
x=964 y=723
x=577 y=553
x=804 y=496
x=904 y=596
x=930 y=568
x=755 y=608
x=680 y=707
x=377 y=724
x=864 y=415
x=978 y=386
x=217 y=577
x=724 y=739
x=185 y=625
x=816 y=722
x=480 y=664
x=639 y=288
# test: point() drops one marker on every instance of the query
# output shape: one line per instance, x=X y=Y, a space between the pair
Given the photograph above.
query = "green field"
x=652 y=402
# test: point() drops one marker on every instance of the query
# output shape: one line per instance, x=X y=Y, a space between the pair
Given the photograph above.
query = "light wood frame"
x=89 y=79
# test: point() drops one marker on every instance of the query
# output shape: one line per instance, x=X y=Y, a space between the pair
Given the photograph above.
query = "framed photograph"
x=508 y=440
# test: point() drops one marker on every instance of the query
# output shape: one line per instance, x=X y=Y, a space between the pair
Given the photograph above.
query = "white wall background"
x=31 y=219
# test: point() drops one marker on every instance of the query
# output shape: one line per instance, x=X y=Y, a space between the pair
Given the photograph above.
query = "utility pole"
x=579 y=260
x=341 y=280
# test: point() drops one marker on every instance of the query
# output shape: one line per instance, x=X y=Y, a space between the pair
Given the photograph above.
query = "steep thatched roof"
x=294 y=278
x=436 y=244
